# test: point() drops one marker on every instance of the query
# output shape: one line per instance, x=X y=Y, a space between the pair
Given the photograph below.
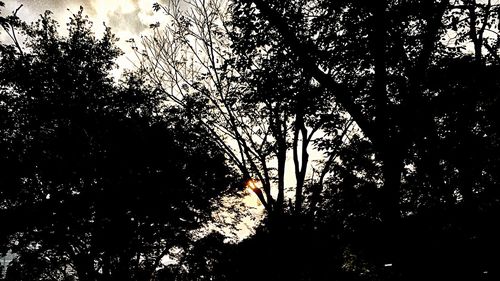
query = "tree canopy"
x=99 y=180
x=399 y=98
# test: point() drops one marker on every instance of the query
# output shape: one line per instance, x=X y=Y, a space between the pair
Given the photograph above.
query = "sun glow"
x=252 y=185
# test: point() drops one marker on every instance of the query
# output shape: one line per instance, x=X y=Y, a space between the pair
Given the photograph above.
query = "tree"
x=100 y=180
x=385 y=65
x=252 y=98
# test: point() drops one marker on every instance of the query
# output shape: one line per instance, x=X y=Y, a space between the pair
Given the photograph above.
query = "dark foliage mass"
x=98 y=181
x=101 y=179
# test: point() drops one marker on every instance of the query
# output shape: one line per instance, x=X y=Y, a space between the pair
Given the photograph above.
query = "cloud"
x=127 y=18
x=132 y=16
x=32 y=9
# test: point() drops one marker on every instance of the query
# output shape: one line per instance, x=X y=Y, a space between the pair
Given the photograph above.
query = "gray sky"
x=127 y=18
x=123 y=15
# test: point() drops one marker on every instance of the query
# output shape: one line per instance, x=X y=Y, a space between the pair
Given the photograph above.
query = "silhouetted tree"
x=254 y=101
x=402 y=94
x=99 y=179
x=420 y=102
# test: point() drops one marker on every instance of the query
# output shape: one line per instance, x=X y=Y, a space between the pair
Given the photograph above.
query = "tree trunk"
x=300 y=164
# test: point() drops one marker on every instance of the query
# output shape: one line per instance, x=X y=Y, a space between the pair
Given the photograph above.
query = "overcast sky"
x=127 y=18
x=123 y=15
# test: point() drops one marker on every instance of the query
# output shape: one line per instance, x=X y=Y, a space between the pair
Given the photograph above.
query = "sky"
x=127 y=18
x=124 y=16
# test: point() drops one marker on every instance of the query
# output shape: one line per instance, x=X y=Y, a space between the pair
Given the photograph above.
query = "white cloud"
x=127 y=18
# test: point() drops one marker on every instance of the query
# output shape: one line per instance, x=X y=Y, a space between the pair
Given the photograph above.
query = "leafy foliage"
x=400 y=97
x=418 y=146
x=99 y=179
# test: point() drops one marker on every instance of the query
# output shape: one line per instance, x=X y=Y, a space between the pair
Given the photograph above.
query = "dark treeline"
x=102 y=179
